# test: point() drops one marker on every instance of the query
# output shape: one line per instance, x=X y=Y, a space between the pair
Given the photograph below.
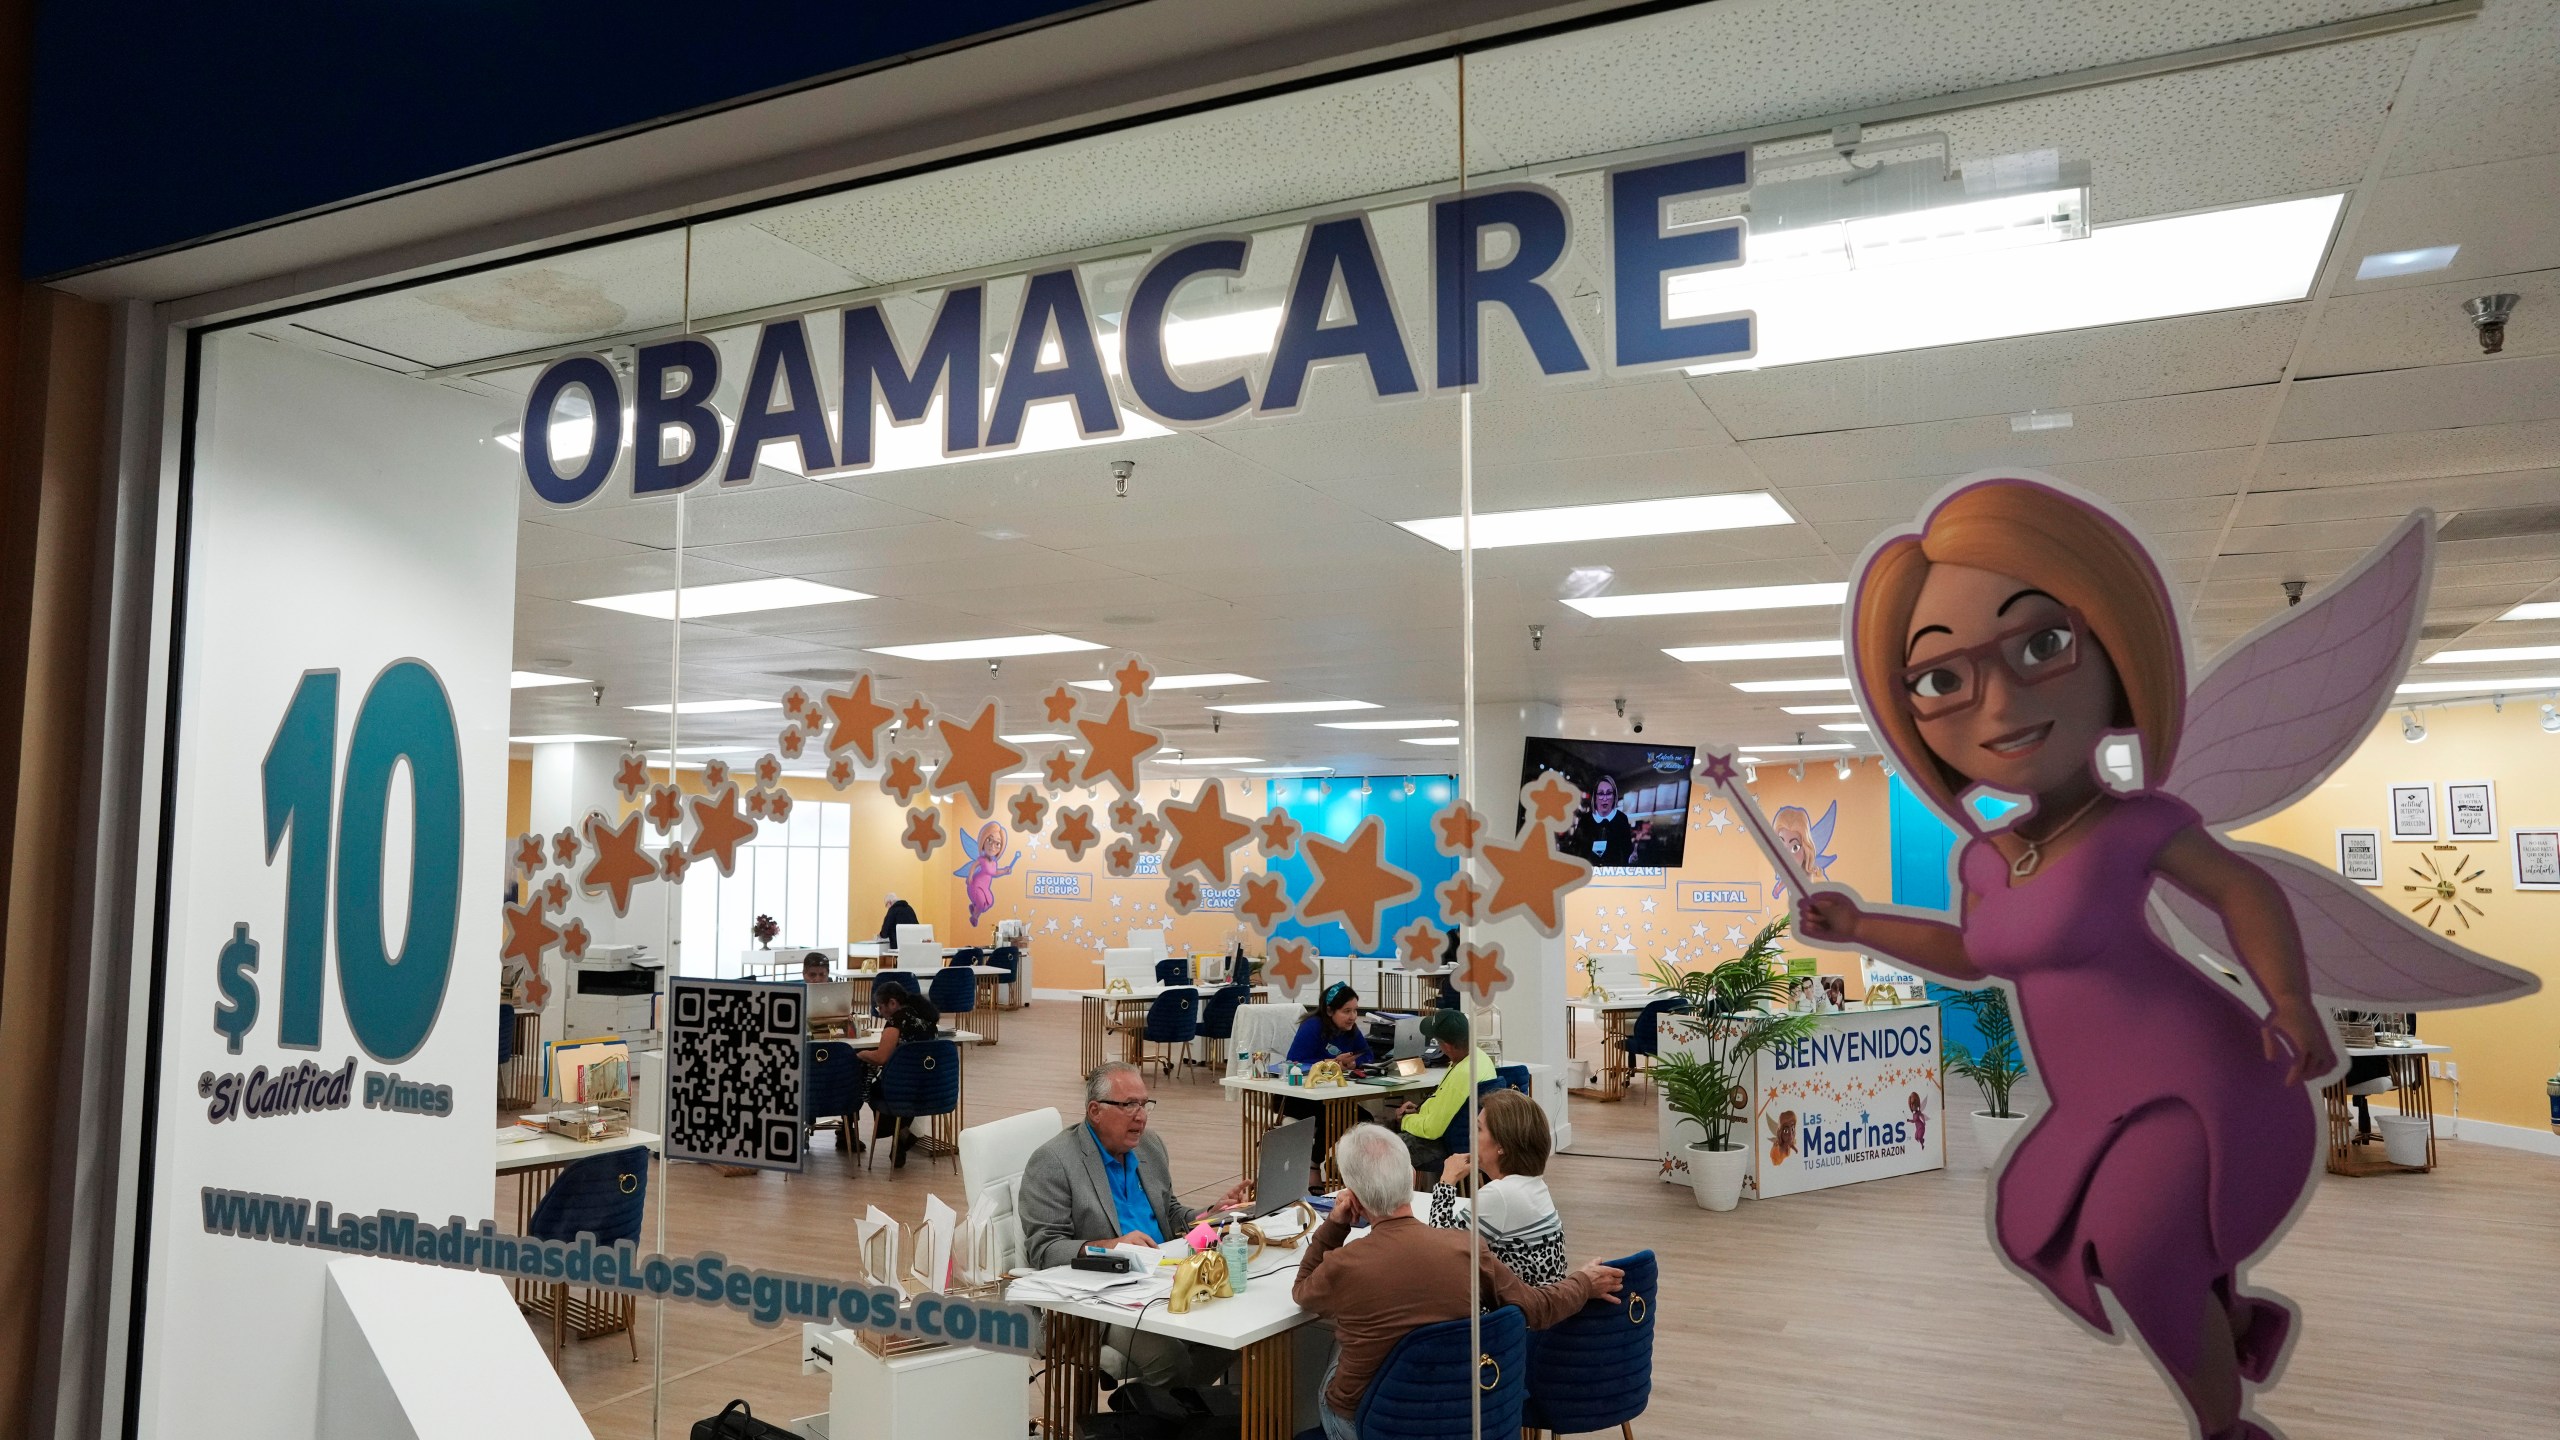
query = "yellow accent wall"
x=2505 y=1051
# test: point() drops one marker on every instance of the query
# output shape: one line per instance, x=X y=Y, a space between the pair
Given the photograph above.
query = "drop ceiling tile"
x=2366 y=459
x=538 y=545
x=2446 y=496
x=2501 y=391
x=2491 y=93
x=2167 y=424
x=625 y=574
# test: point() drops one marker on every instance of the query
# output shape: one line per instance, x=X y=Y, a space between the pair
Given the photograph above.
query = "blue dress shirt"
x=1128 y=1197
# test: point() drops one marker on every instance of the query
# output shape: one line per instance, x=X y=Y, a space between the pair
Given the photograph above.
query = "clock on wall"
x=2444 y=895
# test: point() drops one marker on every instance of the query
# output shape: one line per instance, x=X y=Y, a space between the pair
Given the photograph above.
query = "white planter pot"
x=1715 y=1176
x=1992 y=1134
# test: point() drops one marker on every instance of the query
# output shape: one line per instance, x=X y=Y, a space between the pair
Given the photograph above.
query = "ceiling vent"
x=2504 y=524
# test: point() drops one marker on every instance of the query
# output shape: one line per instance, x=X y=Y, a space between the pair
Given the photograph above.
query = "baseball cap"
x=1445 y=1025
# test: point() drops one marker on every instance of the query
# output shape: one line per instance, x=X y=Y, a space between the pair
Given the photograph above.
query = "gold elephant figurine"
x=1202 y=1277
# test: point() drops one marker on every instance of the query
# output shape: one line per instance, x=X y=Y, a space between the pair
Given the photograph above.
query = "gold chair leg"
x=559 y=1319
x=631 y=1325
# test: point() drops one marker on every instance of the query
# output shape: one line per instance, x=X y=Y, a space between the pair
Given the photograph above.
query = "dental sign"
x=1339 y=309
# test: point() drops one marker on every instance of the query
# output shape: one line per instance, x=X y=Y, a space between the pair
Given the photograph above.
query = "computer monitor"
x=830 y=1002
x=913 y=937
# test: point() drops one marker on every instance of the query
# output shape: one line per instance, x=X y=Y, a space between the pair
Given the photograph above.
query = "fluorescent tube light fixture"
x=1432 y=739
x=1217 y=681
x=1853 y=728
x=2494 y=656
x=560 y=739
x=1790 y=687
x=993 y=648
x=738 y=597
x=2393 y=263
x=2534 y=610
x=710 y=707
x=1712 y=602
x=1032 y=739
x=1820 y=709
x=1295 y=707
x=1387 y=724
x=1681 y=515
x=1770 y=650
x=535 y=680
x=2509 y=683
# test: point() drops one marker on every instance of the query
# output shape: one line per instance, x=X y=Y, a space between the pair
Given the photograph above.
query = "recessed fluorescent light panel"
x=1814 y=303
x=1176 y=682
x=995 y=648
x=2039 y=420
x=1295 y=707
x=535 y=680
x=1041 y=739
x=1432 y=739
x=2534 y=610
x=1682 y=515
x=1712 y=602
x=1770 y=650
x=1790 y=687
x=2491 y=657
x=711 y=707
x=1820 y=709
x=738 y=597
x=560 y=739
x=1850 y=729
x=2481 y=687
x=1387 y=724
x=2393 y=263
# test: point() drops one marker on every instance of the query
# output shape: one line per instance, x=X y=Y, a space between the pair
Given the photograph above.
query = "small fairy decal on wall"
x=981 y=872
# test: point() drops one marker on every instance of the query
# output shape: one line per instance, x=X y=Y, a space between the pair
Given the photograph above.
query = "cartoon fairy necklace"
x=2032 y=856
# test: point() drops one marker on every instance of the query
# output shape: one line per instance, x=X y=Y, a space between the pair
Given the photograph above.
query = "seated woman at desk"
x=1521 y=1226
x=1332 y=1030
x=905 y=1018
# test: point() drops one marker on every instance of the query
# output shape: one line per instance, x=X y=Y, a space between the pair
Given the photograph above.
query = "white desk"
x=1262 y=1327
x=1102 y=1010
x=2410 y=1091
x=1265 y=1109
x=1617 y=1017
x=957 y=1390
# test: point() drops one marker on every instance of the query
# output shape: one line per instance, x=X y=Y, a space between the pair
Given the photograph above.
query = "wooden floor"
x=2433 y=1301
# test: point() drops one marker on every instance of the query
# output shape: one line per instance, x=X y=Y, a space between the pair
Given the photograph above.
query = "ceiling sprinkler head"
x=2489 y=317
x=1537 y=637
x=1121 y=470
x=2293 y=592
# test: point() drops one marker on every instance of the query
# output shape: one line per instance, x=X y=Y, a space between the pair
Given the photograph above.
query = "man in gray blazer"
x=1107 y=1182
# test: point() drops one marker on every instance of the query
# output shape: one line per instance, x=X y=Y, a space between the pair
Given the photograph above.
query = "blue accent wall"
x=1924 y=848
x=155 y=124
x=1332 y=806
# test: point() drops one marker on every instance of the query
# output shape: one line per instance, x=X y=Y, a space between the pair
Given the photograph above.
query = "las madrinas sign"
x=682 y=440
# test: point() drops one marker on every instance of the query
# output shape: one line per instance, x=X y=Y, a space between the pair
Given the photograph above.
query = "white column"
x=1532 y=1009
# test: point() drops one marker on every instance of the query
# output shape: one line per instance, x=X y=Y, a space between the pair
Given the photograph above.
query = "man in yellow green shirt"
x=1425 y=1127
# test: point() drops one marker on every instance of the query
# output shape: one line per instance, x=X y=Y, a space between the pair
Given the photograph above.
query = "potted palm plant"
x=1735 y=1011
x=1995 y=1068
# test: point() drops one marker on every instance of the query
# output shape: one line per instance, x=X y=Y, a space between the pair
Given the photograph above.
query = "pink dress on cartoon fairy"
x=980 y=871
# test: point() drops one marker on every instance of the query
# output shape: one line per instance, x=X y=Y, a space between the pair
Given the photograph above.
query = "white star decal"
x=1582 y=940
x=1622 y=909
x=1626 y=945
x=1733 y=934
x=1650 y=904
x=1718 y=821
x=1699 y=929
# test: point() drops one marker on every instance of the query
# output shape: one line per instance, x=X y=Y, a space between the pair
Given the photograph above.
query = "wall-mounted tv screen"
x=1635 y=798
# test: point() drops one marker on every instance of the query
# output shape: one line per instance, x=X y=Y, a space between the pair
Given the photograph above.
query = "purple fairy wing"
x=2362 y=954
x=2288 y=702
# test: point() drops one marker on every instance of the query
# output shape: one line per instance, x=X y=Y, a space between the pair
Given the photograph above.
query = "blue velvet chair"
x=902 y=977
x=1460 y=1137
x=1008 y=958
x=1427 y=1388
x=954 y=990
x=1644 y=1038
x=1594 y=1370
x=831 y=1084
x=922 y=1082
x=1218 y=1015
x=1170 y=971
x=1173 y=1021
x=604 y=1196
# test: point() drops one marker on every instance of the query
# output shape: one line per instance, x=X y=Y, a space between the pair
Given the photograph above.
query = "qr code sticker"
x=733 y=1072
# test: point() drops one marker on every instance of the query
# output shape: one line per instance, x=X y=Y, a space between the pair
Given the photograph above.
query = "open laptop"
x=1280 y=1181
x=1395 y=1070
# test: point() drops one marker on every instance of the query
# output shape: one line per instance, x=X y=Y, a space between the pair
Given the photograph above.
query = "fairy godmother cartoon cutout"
x=980 y=870
x=2000 y=648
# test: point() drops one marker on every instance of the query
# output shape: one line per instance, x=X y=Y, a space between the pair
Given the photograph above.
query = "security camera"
x=2489 y=318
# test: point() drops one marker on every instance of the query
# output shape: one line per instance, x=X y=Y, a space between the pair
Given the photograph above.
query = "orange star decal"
x=1419 y=943
x=1133 y=679
x=858 y=719
x=1458 y=829
x=792 y=741
x=1183 y=895
x=1028 y=809
x=528 y=853
x=672 y=863
x=1121 y=858
x=619 y=864
x=1060 y=705
x=564 y=846
x=574 y=940
x=715 y=773
x=794 y=701
x=916 y=714
x=1204 y=833
x=840 y=772
x=1459 y=897
x=1530 y=876
x=1150 y=835
x=1352 y=884
x=666 y=807
x=756 y=802
x=1480 y=969
x=1277 y=834
x=977 y=757
x=537 y=991
x=1075 y=833
x=1265 y=902
x=1125 y=813
x=777 y=806
x=528 y=934
x=1552 y=801
x=556 y=890
x=718 y=828
x=632 y=776
x=769 y=771
x=902 y=779
x=1059 y=770
x=1114 y=746
x=1292 y=965
x=924 y=833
